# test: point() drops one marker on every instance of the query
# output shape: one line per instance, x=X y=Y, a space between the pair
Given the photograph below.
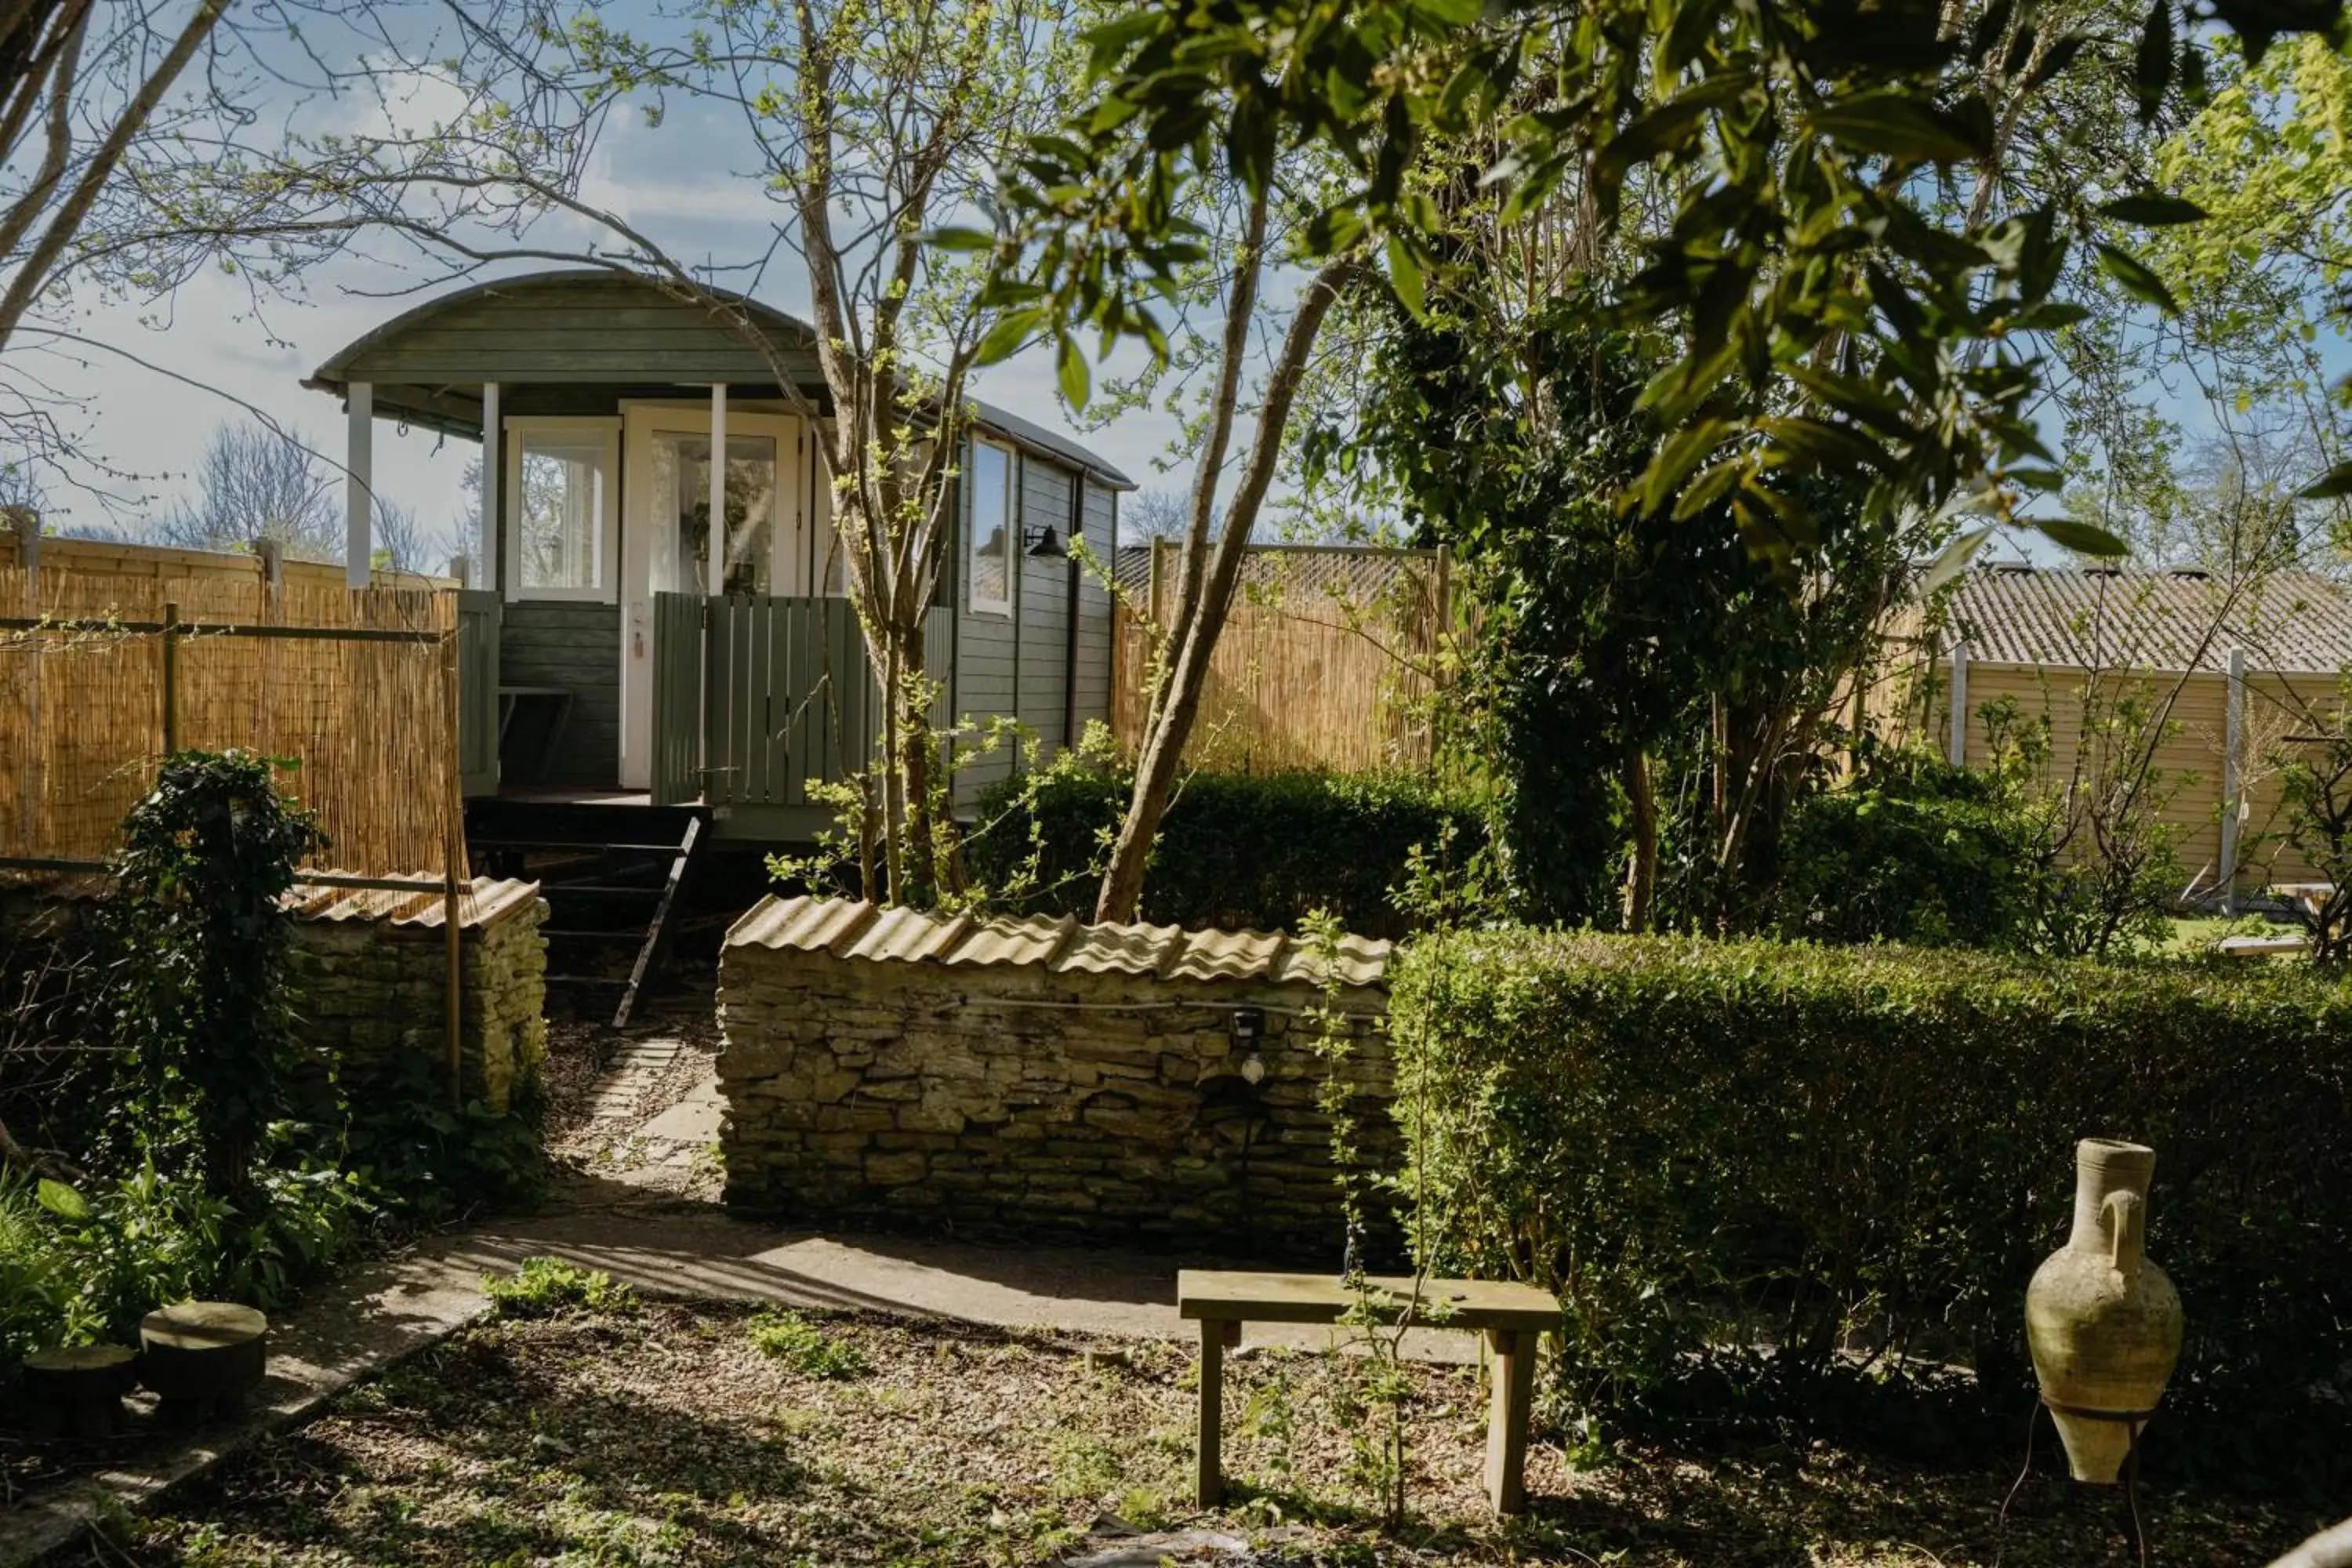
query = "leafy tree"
x=1836 y=310
x=1641 y=690
x=77 y=92
x=1194 y=202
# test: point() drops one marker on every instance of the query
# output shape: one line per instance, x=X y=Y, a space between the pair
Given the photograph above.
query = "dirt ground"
x=661 y=1434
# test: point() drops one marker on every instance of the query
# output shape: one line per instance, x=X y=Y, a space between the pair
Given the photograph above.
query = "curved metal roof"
x=608 y=327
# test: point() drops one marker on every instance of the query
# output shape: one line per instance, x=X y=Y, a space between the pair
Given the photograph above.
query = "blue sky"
x=673 y=183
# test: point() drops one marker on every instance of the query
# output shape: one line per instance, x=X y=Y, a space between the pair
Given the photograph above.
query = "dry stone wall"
x=1008 y=1098
x=371 y=991
x=374 y=994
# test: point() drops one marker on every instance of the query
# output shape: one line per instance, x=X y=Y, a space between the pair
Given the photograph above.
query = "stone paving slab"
x=699 y=1250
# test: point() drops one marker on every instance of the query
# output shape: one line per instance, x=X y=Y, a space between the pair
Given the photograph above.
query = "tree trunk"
x=1211 y=595
x=1642 y=869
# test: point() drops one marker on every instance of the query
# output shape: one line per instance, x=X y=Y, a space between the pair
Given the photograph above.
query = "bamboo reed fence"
x=355 y=688
x=1316 y=667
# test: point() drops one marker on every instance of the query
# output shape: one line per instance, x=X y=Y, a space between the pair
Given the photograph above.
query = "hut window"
x=563 y=507
x=992 y=527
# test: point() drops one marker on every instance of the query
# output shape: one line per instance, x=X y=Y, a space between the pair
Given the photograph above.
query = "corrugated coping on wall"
x=482 y=902
x=849 y=928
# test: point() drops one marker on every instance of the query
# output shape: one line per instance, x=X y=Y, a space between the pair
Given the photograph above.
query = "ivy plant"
x=199 y=933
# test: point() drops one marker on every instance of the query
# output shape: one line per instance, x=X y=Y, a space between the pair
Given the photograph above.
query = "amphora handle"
x=2125 y=1217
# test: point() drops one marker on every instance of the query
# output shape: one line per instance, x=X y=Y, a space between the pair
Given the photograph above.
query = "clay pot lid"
x=202 y=1325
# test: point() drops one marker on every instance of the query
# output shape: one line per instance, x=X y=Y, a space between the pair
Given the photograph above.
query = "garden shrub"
x=1236 y=851
x=1707 y=1147
x=1918 y=852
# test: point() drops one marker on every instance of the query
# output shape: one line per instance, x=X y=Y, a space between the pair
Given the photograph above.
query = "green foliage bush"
x=1707 y=1147
x=1255 y=851
x=1913 y=851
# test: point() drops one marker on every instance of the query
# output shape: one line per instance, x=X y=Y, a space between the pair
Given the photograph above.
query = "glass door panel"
x=681 y=500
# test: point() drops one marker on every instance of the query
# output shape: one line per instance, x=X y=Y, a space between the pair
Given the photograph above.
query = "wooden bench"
x=1511 y=1316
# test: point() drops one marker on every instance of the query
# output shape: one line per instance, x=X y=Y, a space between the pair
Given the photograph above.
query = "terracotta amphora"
x=2104 y=1322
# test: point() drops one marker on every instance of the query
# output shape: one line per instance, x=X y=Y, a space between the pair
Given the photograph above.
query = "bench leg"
x=1210 y=1490
x=1507 y=1409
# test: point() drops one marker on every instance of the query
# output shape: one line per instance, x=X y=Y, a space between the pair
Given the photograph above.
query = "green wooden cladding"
x=477 y=692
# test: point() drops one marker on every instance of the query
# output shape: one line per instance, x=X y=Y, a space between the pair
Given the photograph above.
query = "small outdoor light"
x=1043 y=544
x=1248 y=1028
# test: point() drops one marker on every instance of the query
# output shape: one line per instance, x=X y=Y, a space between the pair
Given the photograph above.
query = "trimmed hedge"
x=1708 y=1147
x=1236 y=851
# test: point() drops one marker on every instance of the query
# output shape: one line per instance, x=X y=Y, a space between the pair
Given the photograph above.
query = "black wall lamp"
x=1043 y=544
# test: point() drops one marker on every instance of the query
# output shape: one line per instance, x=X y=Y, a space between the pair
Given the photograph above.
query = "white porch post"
x=2234 y=738
x=1959 y=741
x=484 y=568
x=715 y=538
x=359 y=487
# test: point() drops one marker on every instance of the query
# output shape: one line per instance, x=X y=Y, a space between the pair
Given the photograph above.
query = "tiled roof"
x=846 y=928
x=1296 y=574
x=2293 y=622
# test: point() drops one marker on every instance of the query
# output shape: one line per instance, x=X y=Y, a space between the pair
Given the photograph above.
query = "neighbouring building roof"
x=1295 y=573
x=606 y=328
x=846 y=928
x=2292 y=622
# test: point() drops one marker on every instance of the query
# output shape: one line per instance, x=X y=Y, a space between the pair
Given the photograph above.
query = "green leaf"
x=1707 y=490
x=2082 y=538
x=63 y=1202
x=2154 y=209
x=1825 y=444
x=1900 y=126
x=1954 y=559
x=2137 y=278
x=1404 y=275
x=2333 y=485
x=1070 y=367
x=1012 y=329
x=2152 y=61
x=974 y=239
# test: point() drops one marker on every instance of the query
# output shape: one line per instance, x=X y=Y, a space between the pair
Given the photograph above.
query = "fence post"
x=25 y=524
x=2234 y=738
x=171 y=677
x=1442 y=640
x=1960 y=741
x=452 y=842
